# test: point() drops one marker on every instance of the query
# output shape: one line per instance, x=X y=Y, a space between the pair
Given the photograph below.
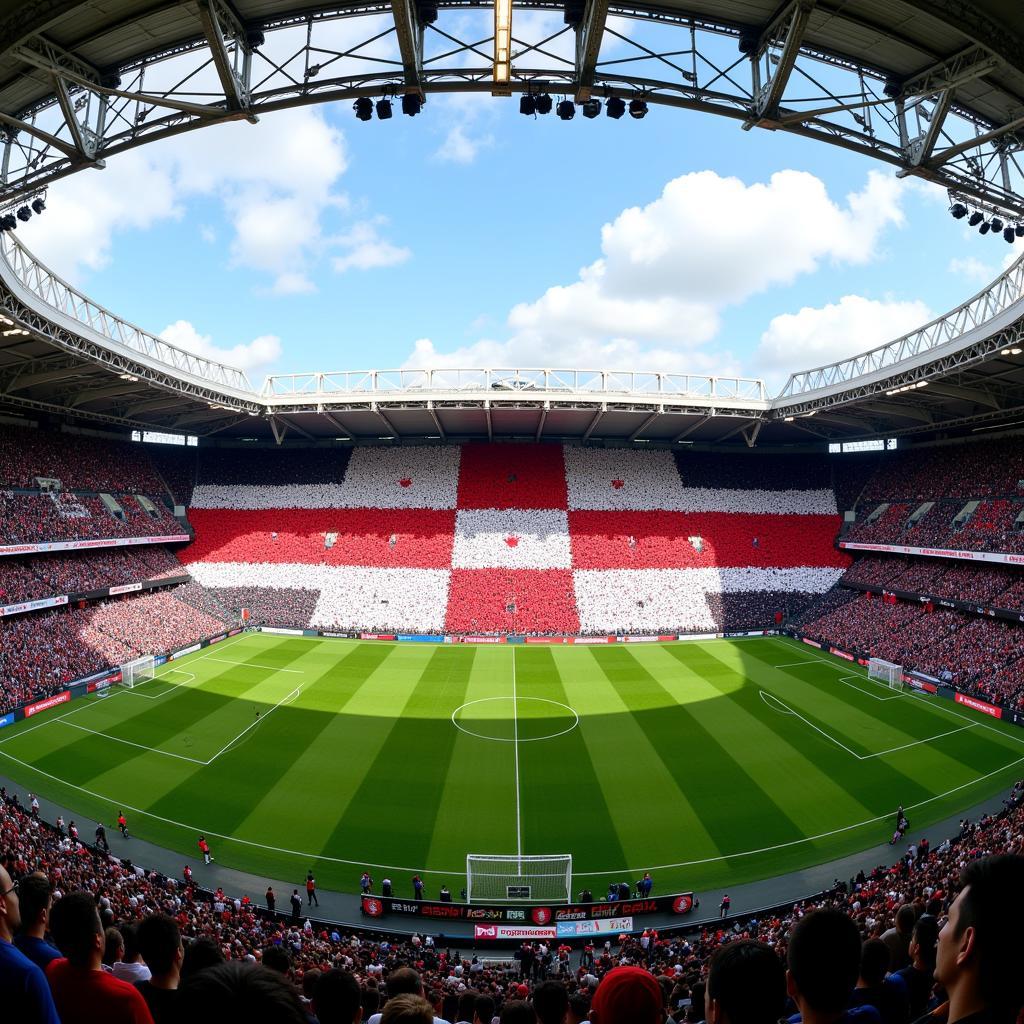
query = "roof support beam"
x=542 y=421
x=646 y=423
x=589 y=33
x=775 y=57
x=334 y=419
x=298 y=430
x=409 y=32
x=276 y=430
x=223 y=29
x=374 y=407
x=975 y=395
x=908 y=412
x=743 y=429
x=750 y=433
x=30 y=380
x=490 y=425
x=695 y=425
x=113 y=391
x=437 y=421
x=594 y=422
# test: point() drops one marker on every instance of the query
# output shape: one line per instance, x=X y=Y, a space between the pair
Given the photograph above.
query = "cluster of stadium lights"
x=1011 y=232
x=412 y=104
x=541 y=103
x=9 y=219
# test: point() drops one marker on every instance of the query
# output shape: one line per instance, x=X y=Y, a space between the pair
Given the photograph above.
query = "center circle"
x=525 y=721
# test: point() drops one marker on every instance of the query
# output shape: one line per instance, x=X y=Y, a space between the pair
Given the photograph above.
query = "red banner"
x=49 y=702
x=481 y=639
x=979 y=705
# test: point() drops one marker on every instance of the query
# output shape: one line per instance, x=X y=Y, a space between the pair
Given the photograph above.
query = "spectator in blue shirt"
x=35 y=897
x=26 y=996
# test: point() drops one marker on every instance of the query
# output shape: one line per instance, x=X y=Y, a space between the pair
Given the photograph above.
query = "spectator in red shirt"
x=82 y=991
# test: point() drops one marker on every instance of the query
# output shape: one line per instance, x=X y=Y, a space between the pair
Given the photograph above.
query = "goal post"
x=887 y=672
x=137 y=671
x=495 y=878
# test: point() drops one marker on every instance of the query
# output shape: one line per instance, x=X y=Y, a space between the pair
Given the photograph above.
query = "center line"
x=515 y=748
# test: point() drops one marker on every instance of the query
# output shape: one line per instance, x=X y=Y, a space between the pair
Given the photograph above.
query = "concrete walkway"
x=344 y=908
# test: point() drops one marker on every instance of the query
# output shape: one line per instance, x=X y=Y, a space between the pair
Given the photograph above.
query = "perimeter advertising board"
x=541 y=915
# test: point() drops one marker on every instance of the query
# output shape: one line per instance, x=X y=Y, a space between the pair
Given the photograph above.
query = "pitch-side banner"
x=978 y=705
x=901 y=549
x=575 y=929
x=524 y=932
x=32 y=606
x=540 y=915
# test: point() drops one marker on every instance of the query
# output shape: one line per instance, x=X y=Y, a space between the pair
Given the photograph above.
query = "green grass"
x=709 y=763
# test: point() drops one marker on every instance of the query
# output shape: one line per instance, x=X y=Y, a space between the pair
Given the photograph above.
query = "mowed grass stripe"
x=635 y=783
x=844 y=791
x=719 y=695
x=476 y=813
x=940 y=763
x=221 y=796
x=721 y=789
x=394 y=810
x=564 y=808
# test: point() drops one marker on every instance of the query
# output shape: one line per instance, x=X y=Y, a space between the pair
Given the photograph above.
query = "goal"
x=493 y=877
x=137 y=671
x=886 y=672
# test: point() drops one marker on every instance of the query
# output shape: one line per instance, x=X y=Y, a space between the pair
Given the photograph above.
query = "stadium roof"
x=933 y=87
x=63 y=356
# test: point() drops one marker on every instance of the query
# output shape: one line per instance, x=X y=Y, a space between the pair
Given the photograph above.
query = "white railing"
x=503 y=382
x=996 y=298
x=54 y=292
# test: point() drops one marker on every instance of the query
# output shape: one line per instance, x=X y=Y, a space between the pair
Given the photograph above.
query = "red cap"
x=629 y=995
x=522 y=991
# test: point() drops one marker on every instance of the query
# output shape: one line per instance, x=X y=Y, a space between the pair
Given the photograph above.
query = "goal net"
x=886 y=672
x=137 y=671
x=494 y=878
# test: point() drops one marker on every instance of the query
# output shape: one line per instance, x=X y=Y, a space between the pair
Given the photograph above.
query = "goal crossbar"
x=137 y=671
x=887 y=672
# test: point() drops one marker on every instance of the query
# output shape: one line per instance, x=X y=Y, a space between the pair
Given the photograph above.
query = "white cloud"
x=258 y=354
x=971 y=268
x=815 y=336
x=667 y=271
x=366 y=250
x=460 y=147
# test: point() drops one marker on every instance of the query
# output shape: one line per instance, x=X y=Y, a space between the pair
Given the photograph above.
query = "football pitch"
x=705 y=762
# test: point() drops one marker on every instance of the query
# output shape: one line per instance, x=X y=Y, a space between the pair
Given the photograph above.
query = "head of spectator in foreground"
x=483 y=1010
x=980 y=955
x=550 y=1001
x=922 y=943
x=10 y=910
x=200 y=954
x=275 y=958
x=874 y=963
x=579 y=1009
x=404 y=982
x=159 y=942
x=407 y=1009
x=515 y=1011
x=77 y=931
x=337 y=998
x=824 y=964
x=627 y=995
x=34 y=897
x=235 y=991
x=746 y=985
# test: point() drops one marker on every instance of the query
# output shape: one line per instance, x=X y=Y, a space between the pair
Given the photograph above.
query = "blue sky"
x=471 y=235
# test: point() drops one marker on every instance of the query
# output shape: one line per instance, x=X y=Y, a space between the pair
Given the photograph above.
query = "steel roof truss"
x=589 y=34
x=409 y=32
x=774 y=59
x=231 y=52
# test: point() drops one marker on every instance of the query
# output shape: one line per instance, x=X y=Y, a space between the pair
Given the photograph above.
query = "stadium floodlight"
x=24 y=214
x=566 y=110
x=976 y=219
x=997 y=224
x=383 y=109
x=1019 y=230
x=363 y=108
x=615 y=107
x=985 y=228
x=9 y=223
x=543 y=102
x=38 y=204
x=1010 y=235
x=412 y=104
x=638 y=108
x=527 y=104
x=958 y=210
x=592 y=108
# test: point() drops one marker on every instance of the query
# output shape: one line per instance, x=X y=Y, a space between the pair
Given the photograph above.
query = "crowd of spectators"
x=977 y=654
x=41 y=576
x=80 y=463
x=291 y=607
x=40 y=518
x=42 y=652
x=995 y=585
x=886 y=919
